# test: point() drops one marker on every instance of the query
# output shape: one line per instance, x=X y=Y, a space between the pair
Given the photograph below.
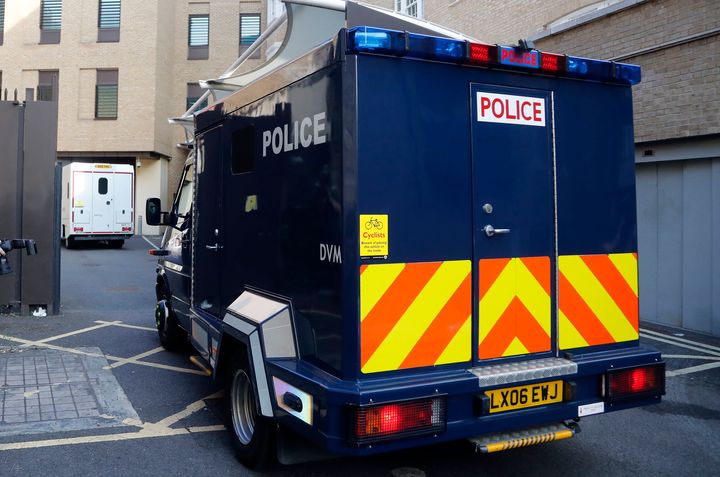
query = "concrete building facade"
x=119 y=69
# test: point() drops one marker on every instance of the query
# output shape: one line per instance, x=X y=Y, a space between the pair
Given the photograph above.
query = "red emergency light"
x=379 y=41
x=398 y=419
x=635 y=382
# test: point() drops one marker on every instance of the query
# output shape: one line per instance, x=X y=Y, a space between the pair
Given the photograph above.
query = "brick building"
x=119 y=69
x=677 y=124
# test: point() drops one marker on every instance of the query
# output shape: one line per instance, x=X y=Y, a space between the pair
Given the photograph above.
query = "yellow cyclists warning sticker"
x=374 y=235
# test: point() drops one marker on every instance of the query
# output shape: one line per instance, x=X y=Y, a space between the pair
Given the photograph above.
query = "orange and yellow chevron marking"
x=598 y=299
x=515 y=306
x=414 y=314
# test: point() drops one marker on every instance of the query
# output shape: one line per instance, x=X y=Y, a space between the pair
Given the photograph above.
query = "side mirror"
x=153 y=213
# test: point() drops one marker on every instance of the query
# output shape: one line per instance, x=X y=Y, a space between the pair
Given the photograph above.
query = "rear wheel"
x=70 y=243
x=252 y=435
x=172 y=337
x=116 y=243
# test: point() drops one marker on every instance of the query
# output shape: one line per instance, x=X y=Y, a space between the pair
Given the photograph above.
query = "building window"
x=109 y=21
x=106 y=94
x=194 y=91
x=50 y=21
x=2 y=20
x=198 y=37
x=412 y=8
x=249 y=32
x=47 y=85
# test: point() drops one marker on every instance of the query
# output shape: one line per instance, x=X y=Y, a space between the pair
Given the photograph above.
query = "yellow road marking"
x=148 y=430
x=125 y=325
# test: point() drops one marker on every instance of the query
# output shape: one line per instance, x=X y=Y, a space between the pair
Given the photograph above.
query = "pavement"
x=91 y=392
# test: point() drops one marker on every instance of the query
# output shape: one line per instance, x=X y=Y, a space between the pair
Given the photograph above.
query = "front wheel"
x=252 y=435
x=172 y=337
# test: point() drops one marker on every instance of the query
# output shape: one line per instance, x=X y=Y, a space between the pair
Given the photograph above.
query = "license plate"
x=520 y=397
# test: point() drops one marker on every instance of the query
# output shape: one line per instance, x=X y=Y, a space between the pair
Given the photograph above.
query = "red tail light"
x=126 y=229
x=636 y=382
x=380 y=422
x=77 y=229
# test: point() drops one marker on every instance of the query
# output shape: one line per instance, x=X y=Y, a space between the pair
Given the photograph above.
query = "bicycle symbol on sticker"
x=373 y=222
x=374 y=237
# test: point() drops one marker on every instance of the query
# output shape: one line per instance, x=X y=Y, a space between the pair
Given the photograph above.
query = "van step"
x=523 y=371
x=526 y=437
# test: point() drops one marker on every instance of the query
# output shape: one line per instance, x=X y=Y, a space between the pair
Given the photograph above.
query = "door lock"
x=490 y=230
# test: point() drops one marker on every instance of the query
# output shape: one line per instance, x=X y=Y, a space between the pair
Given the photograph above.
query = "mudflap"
x=295 y=449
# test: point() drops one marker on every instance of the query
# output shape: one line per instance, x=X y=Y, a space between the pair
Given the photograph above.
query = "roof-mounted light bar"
x=411 y=45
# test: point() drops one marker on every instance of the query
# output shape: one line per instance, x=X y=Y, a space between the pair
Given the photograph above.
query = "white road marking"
x=675 y=343
x=151 y=244
x=133 y=359
x=76 y=332
x=693 y=369
x=682 y=340
x=149 y=430
x=125 y=325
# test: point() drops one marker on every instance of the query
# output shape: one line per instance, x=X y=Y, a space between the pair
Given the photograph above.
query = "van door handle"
x=490 y=230
x=215 y=248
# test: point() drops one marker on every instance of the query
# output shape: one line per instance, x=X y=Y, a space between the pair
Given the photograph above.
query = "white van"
x=97 y=203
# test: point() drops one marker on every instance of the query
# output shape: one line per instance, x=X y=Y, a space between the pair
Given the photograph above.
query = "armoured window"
x=50 y=21
x=106 y=94
x=194 y=91
x=102 y=186
x=47 y=85
x=249 y=32
x=198 y=37
x=413 y=8
x=243 y=150
x=109 y=21
x=2 y=20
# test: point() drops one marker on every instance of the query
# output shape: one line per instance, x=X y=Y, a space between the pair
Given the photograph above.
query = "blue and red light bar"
x=364 y=39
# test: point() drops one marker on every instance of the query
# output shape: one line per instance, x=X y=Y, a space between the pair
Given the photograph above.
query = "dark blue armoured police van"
x=397 y=240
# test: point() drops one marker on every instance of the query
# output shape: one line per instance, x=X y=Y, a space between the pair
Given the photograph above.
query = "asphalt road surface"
x=107 y=318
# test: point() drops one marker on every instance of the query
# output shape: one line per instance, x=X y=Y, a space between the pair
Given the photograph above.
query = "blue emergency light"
x=365 y=39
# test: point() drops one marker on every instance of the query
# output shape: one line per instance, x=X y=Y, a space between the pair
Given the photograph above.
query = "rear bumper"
x=334 y=399
x=118 y=236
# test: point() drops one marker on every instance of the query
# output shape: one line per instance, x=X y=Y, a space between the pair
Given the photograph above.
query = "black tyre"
x=70 y=243
x=116 y=243
x=172 y=337
x=252 y=435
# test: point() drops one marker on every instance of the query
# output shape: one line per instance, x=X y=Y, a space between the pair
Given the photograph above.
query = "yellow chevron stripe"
x=374 y=282
x=460 y=346
x=515 y=348
x=496 y=300
x=626 y=263
x=533 y=295
x=569 y=336
x=593 y=293
x=419 y=315
x=514 y=280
